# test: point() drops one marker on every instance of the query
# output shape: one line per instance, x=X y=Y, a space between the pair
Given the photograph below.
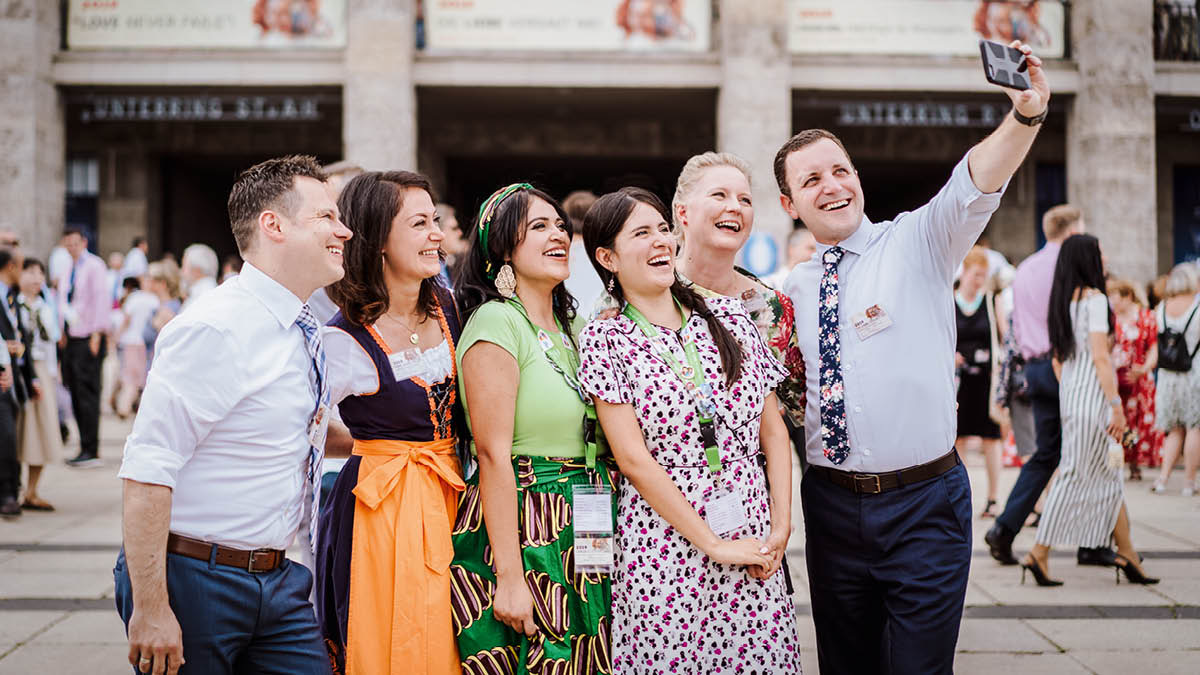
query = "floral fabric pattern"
x=674 y=610
x=834 y=438
x=1132 y=345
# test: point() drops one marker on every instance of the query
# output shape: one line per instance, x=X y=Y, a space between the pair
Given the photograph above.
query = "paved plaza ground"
x=57 y=614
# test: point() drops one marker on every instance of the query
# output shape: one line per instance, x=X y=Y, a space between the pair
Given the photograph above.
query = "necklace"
x=413 y=337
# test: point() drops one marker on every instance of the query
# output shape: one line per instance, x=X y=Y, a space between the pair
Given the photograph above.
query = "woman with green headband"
x=529 y=580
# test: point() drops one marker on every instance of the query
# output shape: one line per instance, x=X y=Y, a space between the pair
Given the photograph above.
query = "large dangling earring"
x=506 y=281
x=611 y=280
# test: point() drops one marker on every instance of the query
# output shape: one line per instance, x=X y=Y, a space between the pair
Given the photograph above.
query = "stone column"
x=1110 y=132
x=379 y=99
x=754 y=104
x=32 y=136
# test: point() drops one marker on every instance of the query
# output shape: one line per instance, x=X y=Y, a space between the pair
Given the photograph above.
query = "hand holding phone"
x=1015 y=67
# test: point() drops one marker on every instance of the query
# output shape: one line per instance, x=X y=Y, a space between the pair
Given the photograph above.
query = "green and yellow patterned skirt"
x=571 y=610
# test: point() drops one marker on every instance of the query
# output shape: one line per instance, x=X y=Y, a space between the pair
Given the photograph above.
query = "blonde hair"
x=1125 y=289
x=1059 y=219
x=1181 y=281
x=691 y=172
x=975 y=257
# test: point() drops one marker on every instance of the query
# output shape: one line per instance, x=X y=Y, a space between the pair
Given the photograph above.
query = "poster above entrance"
x=923 y=27
x=205 y=24
x=575 y=25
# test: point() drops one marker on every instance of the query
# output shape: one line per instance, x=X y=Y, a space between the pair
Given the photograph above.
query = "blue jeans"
x=235 y=621
x=887 y=573
x=1047 y=422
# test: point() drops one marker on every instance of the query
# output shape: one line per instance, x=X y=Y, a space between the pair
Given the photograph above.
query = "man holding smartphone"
x=887 y=504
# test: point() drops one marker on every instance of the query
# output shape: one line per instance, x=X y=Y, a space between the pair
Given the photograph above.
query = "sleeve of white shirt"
x=351 y=370
x=195 y=381
x=949 y=225
x=1097 y=307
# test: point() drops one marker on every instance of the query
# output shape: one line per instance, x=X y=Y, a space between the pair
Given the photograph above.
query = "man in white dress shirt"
x=216 y=469
x=886 y=503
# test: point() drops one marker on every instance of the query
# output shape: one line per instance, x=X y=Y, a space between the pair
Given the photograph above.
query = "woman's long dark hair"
x=472 y=287
x=368 y=204
x=605 y=220
x=1079 y=266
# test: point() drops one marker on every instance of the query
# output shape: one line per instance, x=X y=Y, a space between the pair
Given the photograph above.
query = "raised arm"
x=997 y=157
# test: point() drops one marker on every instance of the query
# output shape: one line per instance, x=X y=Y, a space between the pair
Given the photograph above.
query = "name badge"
x=870 y=322
x=982 y=356
x=406 y=364
x=725 y=511
x=318 y=427
x=592 y=514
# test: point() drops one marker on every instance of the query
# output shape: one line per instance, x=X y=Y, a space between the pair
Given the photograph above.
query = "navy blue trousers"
x=887 y=574
x=1047 y=422
x=235 y=621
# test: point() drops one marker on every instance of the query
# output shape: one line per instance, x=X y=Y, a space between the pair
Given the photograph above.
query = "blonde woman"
x=1177 y=400
x=976 y=358
x=713 y=211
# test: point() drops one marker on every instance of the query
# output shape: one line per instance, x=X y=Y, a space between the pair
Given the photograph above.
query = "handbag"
x=1173 y=353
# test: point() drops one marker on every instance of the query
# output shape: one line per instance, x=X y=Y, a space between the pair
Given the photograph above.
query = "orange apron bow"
x=399 y=618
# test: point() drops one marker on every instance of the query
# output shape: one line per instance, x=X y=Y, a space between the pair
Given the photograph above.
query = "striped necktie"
x=312 y=339
x=834 y=437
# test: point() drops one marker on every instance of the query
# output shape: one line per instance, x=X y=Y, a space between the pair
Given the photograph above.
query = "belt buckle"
x=250 y=560
x=862 y=484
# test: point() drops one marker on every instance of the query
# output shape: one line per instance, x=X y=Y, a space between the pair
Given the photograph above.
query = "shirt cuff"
x=970 y=197
x=151 y=465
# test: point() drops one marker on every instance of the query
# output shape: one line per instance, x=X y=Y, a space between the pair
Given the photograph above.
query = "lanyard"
x=565 y=361
x=692 y=376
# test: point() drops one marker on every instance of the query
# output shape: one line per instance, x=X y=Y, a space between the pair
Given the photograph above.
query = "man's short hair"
x=6 y=257
x=138 y=241
x=576 y=205
x=74 y=229
x=1059 y=219
x=202 y=258
x=268 y=185
x=797 y=142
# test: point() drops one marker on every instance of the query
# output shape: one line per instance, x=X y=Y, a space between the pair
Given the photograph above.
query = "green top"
x=549 y=414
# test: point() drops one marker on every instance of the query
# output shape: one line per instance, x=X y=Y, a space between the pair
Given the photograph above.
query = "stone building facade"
x=146 y=141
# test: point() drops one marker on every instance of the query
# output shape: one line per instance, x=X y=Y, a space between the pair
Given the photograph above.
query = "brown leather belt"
x=875 y=483
x=258 y=560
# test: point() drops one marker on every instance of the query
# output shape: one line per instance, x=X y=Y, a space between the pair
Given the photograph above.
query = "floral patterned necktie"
x=316 y=350
x=834 y=438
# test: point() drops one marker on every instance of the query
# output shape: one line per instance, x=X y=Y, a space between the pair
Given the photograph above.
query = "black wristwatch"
x=1030 y=121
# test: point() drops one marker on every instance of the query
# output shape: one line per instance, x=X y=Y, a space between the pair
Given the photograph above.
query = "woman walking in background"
x=1135 y=355
x=383 y=555
x=976 y=358
x=39 y=440
x=521 y=604
x=1177 y=400
x=1086 y=505
x=685 y=390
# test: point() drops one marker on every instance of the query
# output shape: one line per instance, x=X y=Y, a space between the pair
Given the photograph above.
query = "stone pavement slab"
x=1121 y=634
x=1140 y=662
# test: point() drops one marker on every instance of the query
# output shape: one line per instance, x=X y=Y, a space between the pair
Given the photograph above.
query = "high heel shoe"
x=988 y=511
x=1042 y=579
x=1132 y=573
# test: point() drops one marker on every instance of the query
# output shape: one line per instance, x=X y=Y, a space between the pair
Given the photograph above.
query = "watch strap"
x=1030 y=121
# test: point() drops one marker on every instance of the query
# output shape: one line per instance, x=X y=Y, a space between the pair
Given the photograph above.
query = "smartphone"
x=1004 y=65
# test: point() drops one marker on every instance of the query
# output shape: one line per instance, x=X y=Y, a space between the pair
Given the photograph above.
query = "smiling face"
x=826 y=193
x=541 y=256
x=719 y=212
x=314 y=234
x=643 y=253
x=411 y=248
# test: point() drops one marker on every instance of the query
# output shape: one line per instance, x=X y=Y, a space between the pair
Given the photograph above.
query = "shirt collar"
x=855 y=243
x=280 y=302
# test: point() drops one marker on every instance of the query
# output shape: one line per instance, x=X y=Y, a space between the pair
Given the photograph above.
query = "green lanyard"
x=565 y=361
x=692 y=376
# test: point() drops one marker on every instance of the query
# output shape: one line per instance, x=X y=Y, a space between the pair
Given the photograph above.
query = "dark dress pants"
x=887 y=574
x=1036 y=472
x=234 y=621
x=10 y=468
x=81 y=375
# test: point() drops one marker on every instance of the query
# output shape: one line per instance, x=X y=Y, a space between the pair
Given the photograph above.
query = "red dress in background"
x=1132 y=347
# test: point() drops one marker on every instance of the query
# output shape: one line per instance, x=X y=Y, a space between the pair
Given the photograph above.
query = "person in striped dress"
x=1086 y=505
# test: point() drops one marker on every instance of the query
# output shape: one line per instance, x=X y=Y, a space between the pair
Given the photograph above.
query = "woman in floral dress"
x=1135 y=355
x=684 y=390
